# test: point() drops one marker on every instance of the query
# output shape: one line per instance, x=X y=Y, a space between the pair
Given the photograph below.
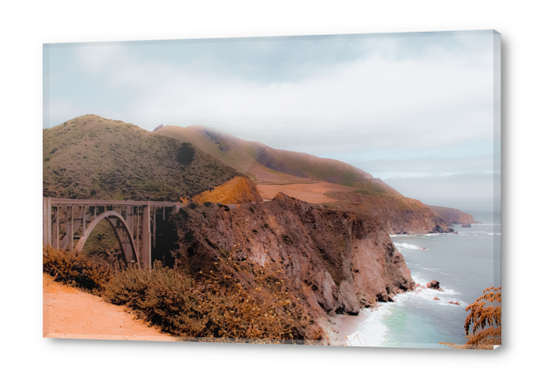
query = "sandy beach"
x=346 y=325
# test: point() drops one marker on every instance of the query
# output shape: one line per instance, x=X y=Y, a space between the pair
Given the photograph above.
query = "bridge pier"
x=46 y=221
x=70 y=236
x=146 y=237
x=55 y=242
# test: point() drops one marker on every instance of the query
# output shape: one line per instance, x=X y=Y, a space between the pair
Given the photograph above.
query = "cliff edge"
x=333 y=262
x=238 y=190
x=453 y=216
x=399 y=215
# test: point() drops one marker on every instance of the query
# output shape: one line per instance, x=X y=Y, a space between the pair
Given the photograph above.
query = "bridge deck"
x=92 y=202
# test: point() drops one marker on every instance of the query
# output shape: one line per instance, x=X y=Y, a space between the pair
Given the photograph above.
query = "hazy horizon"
x=414 y=109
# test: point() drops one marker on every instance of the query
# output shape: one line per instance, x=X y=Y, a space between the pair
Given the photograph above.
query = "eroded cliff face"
x=453 y=216
x=238 y=190
x=399 y=215
x=334 y=261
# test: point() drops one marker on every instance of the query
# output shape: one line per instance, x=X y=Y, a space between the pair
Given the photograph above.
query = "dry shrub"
x=226 y=305
x=76 y=269
x=207 y=310
x=281 y=302
x=483 y=324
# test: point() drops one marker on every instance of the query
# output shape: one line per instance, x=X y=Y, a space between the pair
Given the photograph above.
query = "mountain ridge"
x=299 y=173
x=267 y=165
x=93 y=157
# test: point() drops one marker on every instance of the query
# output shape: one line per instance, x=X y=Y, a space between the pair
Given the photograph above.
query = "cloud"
x=366 y=103
x=420 y=96
x=94 y=57
x=60 y=110
x=337 y=92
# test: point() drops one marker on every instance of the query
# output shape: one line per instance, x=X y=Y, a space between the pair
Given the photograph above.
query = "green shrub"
x=185 y=154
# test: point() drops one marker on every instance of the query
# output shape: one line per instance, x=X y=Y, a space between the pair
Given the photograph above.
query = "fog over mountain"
x=413 y=109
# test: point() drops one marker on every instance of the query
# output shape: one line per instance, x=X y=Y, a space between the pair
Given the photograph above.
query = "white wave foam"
x=372 y=331
x=409 y=246
x=428 y=291
x=414 y=235
x=449 y=291
x=434 y=270
x=428 y=295
x=447 y=303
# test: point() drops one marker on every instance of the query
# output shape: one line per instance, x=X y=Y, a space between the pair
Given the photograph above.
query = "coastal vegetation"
x=483 y=323
x=355 y=190
x=76 y=269
x=266 y=165
x=213 y=307
x=263 y=271
x=91 y=157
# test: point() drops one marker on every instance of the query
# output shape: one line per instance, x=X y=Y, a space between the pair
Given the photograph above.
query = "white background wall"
x=25 y=27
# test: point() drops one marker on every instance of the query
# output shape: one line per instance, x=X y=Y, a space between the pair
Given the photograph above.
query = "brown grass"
x=235 y=191
x=311 y=193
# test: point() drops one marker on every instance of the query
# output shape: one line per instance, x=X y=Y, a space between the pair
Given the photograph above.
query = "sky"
x=414 y=109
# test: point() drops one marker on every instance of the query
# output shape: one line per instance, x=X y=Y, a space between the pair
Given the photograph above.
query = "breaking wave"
x=409 y=246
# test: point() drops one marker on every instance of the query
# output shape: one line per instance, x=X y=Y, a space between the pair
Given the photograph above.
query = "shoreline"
x=346 y=325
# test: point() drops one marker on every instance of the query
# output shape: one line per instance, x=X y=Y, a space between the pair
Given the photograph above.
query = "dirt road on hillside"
x=311 y=193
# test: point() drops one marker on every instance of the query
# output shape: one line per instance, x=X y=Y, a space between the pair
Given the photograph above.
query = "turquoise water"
x=465 y=264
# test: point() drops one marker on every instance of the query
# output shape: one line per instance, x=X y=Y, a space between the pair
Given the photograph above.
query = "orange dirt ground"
x=234 y=191
x=71 y=313
x=311 y=193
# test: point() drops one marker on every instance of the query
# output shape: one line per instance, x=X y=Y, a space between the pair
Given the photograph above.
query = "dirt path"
x=311 y=193
x=70 y=313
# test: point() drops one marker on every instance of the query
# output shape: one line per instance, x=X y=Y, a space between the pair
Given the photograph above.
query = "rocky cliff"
x=235 y=191
x=453 y=216
x=330 y=261
x=399 y=215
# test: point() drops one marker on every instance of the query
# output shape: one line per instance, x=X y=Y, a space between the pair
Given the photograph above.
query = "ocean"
x=464 y=263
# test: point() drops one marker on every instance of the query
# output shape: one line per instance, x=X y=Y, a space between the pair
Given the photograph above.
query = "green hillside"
x=93 y=157
x=265 y=165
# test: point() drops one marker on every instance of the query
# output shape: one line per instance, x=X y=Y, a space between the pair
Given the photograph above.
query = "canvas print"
x=325 y=190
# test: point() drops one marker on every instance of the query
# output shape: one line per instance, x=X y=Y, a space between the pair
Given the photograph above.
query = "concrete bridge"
x=67 y=224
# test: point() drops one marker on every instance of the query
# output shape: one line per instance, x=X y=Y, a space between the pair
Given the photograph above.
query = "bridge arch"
x=129 y=251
